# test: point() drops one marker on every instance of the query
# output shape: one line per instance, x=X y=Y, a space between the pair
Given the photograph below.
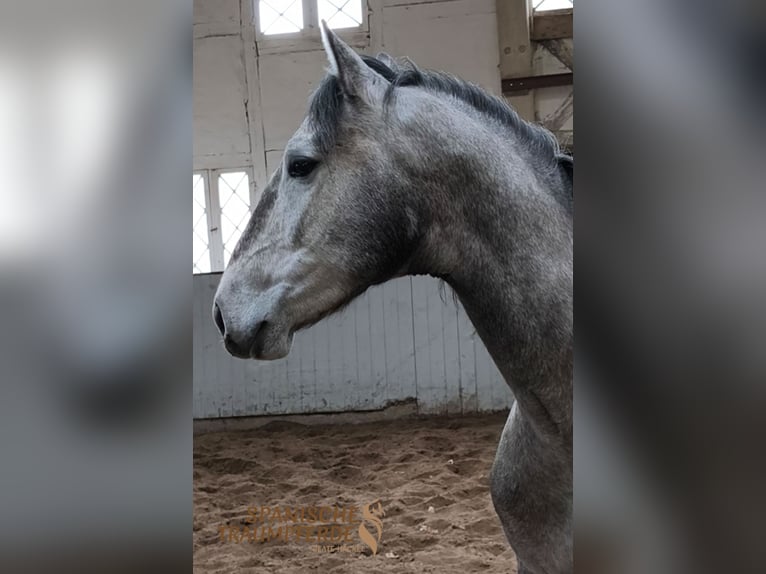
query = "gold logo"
x=326 y=528
x=372 y=513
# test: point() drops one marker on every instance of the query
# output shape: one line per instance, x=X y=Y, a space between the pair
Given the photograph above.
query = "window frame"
x=213 y=211
x=309 y=37
x=205 y=175
x=535 y=10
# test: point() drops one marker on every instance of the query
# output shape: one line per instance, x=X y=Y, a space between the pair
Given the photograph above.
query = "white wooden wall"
x=401 y=340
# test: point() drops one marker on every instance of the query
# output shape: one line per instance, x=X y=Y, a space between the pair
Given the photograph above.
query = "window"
x=280 y=16
x=340 y=13
x=545 y=5
x=222 y=201
x=234 y=199
x=293 y=16
x=200 y=245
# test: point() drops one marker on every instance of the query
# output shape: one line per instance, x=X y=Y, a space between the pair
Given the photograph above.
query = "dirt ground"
x=430 y=476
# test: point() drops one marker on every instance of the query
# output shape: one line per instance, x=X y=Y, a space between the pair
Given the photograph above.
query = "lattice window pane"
x=340 y=13
x=234 y=197
x=543 y=5
x=280 y=16
x=200 y=237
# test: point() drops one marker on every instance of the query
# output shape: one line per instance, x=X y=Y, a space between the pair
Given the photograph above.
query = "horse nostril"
x=218 y=316
x=233 y=347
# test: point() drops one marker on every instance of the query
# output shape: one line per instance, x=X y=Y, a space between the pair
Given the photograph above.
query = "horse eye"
x=301 y=166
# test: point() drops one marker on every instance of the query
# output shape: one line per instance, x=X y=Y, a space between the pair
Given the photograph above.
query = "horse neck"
x=504 y=244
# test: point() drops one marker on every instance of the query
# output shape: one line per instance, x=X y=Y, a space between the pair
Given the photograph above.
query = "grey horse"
x=398 y=171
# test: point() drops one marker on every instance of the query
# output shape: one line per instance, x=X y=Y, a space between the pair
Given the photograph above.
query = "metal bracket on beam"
x=514 y=85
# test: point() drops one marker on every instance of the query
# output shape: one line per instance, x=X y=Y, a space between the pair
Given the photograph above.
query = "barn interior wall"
x=401 y=341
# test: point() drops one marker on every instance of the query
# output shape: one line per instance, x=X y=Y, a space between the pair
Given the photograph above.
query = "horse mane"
x=325 y=107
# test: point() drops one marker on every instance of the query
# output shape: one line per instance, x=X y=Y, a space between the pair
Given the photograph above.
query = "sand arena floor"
x=430 y=476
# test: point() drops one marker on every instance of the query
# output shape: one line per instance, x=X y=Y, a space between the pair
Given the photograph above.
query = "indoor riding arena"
x=368 y=446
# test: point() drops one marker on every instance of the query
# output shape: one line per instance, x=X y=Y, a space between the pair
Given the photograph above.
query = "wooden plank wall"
x=402 y=340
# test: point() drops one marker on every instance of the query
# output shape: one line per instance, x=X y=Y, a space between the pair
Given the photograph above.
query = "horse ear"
x=355 y=77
